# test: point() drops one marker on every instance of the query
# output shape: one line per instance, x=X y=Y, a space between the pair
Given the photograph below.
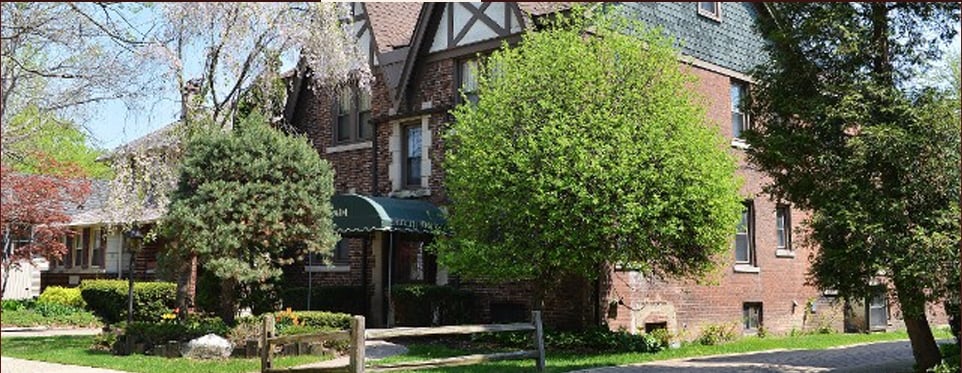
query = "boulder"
x=211 y=346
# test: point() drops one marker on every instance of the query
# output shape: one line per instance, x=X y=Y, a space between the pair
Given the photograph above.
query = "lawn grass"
x=74 y=350
x=564 y=362
x=30 y=317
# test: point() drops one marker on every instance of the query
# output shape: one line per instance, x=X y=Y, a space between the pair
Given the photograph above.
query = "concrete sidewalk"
x=45 y=332
x=12 y=365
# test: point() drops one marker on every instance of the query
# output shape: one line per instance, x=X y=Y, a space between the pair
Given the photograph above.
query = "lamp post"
x=135 y=237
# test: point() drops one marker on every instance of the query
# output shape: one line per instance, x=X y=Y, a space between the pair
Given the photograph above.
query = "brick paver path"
x=890 y=357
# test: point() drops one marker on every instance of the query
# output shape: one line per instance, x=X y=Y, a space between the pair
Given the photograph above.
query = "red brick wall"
x=686 y=305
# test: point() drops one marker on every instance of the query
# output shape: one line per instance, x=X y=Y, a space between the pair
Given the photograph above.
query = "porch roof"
x=355 y=213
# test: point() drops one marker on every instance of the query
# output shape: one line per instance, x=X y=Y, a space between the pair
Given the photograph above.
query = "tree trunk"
x=183 y=279
x=228 y=304
x=924 y=348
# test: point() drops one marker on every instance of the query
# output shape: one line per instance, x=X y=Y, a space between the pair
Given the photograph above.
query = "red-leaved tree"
x=33 y=212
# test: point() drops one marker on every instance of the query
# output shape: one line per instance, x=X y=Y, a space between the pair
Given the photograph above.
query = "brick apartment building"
x=386 y=150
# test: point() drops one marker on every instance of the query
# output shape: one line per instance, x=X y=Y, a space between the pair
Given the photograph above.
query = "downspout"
x=374 y=186
x=390 y=265
x=366 y=301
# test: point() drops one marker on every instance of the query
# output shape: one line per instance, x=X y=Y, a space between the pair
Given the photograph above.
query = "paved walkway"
x=887 y=357
x=372 y=350
x=45 y=332
x=11 y=365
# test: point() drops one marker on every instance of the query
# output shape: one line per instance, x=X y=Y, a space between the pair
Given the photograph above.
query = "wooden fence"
x=357 y=335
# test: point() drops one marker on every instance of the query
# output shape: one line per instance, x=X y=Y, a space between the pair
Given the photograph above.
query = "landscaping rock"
x=210 y=346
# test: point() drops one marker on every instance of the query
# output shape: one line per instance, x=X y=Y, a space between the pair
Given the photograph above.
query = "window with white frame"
x=783 y=227
x=78 y=248
x=744 y=236
x=98 y=242
x=710 y=9
x=740 y=120
x=411 y=154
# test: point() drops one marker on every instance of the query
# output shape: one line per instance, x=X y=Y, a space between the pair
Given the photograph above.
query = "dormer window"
x=710 y=9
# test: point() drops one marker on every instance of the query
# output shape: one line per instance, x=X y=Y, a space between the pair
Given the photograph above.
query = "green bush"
x=663 y=336
x=17 y=304
x=108 y=299
x=317 y=319
x=159 y=332
x=713 y=334
x=427 y=305
x=950 y=359
x=344 y=299
x=63 y=296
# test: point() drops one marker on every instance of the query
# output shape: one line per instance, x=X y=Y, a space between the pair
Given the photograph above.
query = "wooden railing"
x=357 y=336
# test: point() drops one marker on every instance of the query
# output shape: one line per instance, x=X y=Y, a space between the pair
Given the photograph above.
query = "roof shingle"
x=392 y=23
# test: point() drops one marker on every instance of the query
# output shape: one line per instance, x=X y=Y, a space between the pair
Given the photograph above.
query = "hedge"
x=345 y=299
x=108 y=299
x=154 y=333
x=314 y=319
x=63 y=296
x=427 y=305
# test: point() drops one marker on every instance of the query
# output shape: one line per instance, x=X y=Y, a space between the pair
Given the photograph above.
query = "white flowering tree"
x=214 y=54
x=59 y=59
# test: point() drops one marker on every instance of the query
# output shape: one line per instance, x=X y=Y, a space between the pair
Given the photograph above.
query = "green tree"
x=249 y=202
x=847 y=135
x=586 y=148
x=52 y=139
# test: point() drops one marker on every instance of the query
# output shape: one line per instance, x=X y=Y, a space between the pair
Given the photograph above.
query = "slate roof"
x=392 y=23
x=97 y=199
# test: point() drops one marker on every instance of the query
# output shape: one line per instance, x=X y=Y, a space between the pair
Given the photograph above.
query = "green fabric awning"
x=356 y=213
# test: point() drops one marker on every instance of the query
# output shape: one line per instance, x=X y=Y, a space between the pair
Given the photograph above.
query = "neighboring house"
x=99 y=247
x=102 y=244
x=24 y=279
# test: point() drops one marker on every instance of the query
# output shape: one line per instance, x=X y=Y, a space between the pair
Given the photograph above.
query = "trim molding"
x=705 y=65
x=349 y=147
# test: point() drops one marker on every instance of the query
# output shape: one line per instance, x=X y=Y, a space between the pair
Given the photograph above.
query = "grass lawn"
x=561 y=362
x=30 y=317
x=73 y=350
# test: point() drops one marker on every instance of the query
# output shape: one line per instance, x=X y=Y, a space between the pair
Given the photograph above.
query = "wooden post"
x=357 y=345
x=252 y=348
x=538 y=339
x=267 y=351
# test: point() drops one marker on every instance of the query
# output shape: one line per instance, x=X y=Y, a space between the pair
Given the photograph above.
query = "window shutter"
x=86 y=247
x=68 y=259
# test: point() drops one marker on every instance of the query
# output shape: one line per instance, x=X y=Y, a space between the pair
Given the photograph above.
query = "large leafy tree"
x=586 y=148
x=248 y=202
x=849 y=134
x=54 y=139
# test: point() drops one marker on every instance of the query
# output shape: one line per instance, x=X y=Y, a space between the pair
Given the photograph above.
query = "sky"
x=114 y=123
